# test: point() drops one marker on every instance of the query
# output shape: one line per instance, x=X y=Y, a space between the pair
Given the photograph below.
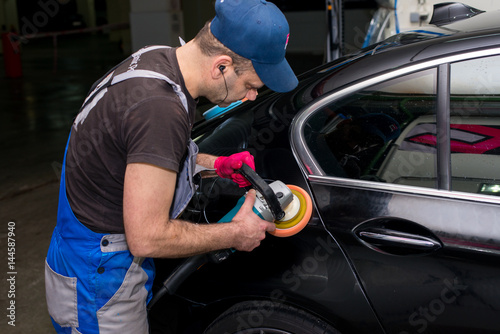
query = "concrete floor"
x=36 y=112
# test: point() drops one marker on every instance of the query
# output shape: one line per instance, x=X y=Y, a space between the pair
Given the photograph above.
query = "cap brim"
x=278 y=77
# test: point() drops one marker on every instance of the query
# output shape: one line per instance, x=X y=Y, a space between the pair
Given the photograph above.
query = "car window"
x=374 y=134
x=387 y=132
x=475 y=125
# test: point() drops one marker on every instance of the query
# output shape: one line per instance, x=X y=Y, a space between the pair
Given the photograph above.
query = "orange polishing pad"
x=302 y=212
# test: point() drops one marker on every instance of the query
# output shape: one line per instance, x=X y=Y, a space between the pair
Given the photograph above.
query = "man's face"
x=239 y=87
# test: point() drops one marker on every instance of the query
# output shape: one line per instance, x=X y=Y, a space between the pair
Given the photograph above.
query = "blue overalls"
x=93 y=283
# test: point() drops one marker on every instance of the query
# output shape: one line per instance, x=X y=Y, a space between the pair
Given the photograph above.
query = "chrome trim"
x=310 y=167
x=424 y=243
x=397 y=188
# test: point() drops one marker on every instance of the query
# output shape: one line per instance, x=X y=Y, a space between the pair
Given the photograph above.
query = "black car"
x=399 y=148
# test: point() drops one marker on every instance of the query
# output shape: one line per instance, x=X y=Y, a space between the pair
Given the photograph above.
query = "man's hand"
x=253 y=228
x=227 y=167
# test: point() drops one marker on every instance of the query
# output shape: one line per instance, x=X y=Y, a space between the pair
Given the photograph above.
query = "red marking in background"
x=490 y=139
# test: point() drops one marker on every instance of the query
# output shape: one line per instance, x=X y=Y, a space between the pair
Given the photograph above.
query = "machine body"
x=261 y=207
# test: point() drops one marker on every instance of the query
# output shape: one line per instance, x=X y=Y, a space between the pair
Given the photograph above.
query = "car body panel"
x=307 y=270
x=413 y=290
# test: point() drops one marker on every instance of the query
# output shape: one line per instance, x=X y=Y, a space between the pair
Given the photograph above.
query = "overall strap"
x=153 y=75
x=98 y=91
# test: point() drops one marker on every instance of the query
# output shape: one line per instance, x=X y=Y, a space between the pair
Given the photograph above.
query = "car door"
x=404 y=171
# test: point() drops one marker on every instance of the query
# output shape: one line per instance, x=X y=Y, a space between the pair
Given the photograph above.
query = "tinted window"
x=387 y=133
x=475 y=125
x=375 y=133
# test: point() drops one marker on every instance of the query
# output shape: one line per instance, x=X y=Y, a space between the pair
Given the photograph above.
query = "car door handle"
x=397 y=236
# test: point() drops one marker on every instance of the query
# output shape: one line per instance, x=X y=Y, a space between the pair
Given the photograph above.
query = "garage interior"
x=52 y=52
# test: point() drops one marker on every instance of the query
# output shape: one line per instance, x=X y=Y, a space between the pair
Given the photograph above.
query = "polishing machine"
x=288 y=206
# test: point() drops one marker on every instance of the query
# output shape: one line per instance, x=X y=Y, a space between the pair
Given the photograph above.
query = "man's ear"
x=220 y=66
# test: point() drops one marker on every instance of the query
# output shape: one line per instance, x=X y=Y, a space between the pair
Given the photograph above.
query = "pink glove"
x=225 y=167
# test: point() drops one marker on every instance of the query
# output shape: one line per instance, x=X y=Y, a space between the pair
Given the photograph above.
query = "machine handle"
x=262 y=187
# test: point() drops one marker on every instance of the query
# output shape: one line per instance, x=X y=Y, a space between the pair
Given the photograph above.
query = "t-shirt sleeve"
x=156 y=132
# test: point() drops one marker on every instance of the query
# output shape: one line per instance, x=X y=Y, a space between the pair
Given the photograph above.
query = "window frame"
x=314 y=173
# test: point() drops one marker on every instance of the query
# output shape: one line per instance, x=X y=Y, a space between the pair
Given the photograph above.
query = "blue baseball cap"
x=258 y=31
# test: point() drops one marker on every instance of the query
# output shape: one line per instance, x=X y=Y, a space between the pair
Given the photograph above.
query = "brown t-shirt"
x=138 y=120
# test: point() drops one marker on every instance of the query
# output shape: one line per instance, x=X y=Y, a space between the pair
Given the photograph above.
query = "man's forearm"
x=150 y=232
x=177 y=238
x=206 y=160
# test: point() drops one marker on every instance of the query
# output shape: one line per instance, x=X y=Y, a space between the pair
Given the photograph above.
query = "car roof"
x=409 y=48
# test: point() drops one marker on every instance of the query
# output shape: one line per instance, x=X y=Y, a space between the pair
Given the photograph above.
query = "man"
x=129 y=165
